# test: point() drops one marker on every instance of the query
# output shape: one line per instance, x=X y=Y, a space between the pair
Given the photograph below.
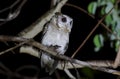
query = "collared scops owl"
x=55 y=35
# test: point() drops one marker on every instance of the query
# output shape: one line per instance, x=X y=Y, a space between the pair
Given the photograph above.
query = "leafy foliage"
x=112 y=20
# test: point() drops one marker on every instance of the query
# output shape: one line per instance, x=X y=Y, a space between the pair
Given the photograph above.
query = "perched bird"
x=55 y=35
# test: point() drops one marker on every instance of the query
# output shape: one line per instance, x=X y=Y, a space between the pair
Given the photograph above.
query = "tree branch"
x=54 y=3
x=37 y=26
x=77 y=63
x=13 y=14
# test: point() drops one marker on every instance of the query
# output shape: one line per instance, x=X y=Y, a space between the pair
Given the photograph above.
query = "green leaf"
x=103 y=11
x=108 y=19
x=113 y=1
x=98 y=41
x=92 y=7
x=117 y=44
x=108 y=7
x=88 y=72
x=113 y=24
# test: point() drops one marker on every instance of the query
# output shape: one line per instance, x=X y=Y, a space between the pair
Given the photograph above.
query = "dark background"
x=82 y=25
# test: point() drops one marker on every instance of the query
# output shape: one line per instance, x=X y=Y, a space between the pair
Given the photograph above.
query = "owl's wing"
x=43 y=33
x=45 y=29
x=66 y=46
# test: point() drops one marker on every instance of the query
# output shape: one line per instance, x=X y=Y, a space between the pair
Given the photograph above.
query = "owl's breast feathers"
x=54 y=37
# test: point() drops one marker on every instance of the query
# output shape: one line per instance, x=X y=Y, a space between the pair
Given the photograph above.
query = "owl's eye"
x=64 y=19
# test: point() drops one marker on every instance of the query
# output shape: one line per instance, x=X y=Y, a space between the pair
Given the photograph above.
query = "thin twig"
x=79 y=8
x=7 y=71
x=10 y=7
x=4 y=68
x=92 y=16
x=4 y=38
x=88 y=36
x=69 y=74
x=14 y=14
x=77 y=73
x=12 y=48
x=10 y=74
x=27 y=67
x=117 y=59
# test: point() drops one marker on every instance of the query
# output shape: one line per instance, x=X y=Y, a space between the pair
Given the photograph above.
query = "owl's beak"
x=64 y=28
x=67 y=30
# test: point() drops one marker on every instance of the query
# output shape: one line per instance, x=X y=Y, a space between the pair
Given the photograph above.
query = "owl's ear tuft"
x=58 y=13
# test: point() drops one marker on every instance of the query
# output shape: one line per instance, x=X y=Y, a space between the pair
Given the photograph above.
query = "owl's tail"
x=53 y=67
x=48 y=63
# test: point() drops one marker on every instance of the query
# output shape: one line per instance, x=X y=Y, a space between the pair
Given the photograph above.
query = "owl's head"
x=63 y=22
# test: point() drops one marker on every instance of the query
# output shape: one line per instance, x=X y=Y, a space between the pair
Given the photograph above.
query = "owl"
x=55 y=35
